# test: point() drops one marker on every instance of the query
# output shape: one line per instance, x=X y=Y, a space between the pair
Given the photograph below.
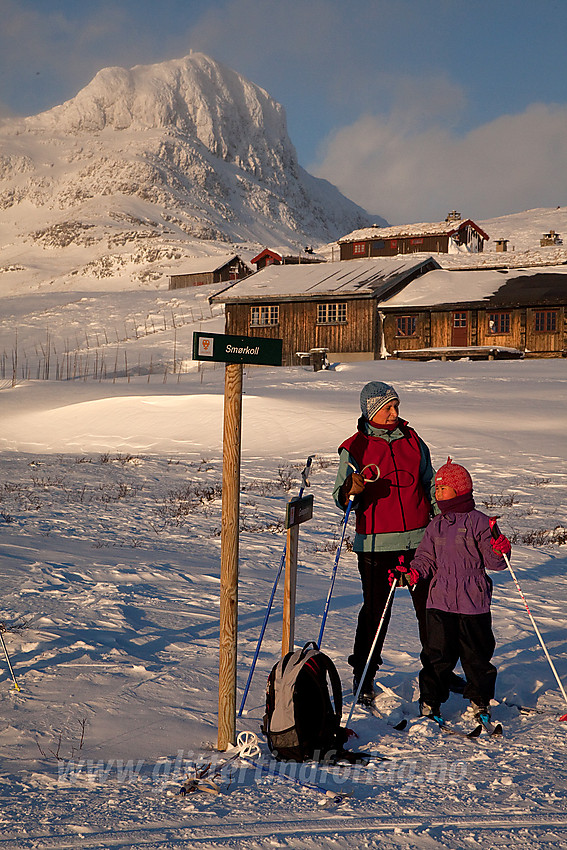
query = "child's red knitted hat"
x=455 y=476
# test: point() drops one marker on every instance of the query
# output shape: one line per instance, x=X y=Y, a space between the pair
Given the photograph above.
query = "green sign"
x=298 y=511
x=237 y=349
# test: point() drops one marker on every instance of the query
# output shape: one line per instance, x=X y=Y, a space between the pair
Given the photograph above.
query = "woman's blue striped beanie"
x=374 y=396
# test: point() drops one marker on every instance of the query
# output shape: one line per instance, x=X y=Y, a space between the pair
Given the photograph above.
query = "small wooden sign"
x=221 y=348
x=298 y=511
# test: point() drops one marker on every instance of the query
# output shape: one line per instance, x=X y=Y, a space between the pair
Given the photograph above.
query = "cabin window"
x=378 y=245
x=359 y=248
x=407 y=325
x=416 y=241
x=499 y=323
x=459 y=320
x=331 y=314
x=268 y=315
x=546 y=320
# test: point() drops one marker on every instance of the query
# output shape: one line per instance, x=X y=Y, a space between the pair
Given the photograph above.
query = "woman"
x=392 y=513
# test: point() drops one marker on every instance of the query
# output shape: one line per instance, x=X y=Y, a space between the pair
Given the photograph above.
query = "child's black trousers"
x=451 y=637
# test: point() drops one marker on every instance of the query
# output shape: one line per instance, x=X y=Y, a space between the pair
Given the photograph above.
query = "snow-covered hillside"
x=148 y=166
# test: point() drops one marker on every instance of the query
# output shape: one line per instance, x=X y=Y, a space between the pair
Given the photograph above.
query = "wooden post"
x=234 y=351
x=229 y=554
x=290 y=585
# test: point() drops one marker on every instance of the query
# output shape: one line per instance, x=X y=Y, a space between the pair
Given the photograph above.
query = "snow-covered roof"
x=204 y=265
x=364 y=277
x=546 y=284
x=286 y=253
x=399 y=231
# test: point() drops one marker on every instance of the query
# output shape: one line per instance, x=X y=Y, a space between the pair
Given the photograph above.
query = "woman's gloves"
x=354 y=484
x=403 y=576
x=501 y=545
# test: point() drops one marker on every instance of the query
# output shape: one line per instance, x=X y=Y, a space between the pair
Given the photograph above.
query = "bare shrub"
x=541 y=536
x=180 y=503
x=53 y=751
x=504 y=500
x=287 y=477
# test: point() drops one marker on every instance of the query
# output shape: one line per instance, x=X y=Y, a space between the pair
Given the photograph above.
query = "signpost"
x=234 y=351
x=297 y=511
x=237 y=349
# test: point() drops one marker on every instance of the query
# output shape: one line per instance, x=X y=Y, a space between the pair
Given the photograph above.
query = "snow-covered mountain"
x=148 y=166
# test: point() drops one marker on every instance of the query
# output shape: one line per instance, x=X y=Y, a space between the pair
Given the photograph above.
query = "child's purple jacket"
x=456 y=551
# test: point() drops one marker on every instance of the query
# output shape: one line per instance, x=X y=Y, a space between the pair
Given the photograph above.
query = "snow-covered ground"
x=110 y=555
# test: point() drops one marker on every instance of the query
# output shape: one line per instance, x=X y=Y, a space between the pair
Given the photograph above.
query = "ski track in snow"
x=110 y=552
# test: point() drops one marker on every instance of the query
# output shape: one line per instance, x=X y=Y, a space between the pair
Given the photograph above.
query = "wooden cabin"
x=479 y=313
x=551 y=238
x=331 y=307
x=501 y=245
x=270 y=256
x=207 y=270
x=446 y=237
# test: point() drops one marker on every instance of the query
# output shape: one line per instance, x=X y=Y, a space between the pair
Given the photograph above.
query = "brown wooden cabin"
x=450 y=236
x=458 y=313
x=269 y=256
x=551 y=238
x=330 y=306
x=207 y=270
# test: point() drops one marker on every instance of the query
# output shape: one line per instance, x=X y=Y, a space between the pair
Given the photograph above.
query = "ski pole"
x=495 y=531
x=2 y=630
x=372 y=648
x=304 y=484
x=375 y=477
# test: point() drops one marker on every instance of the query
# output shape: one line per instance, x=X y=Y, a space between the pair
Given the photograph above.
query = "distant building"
x=271 y=256
x=207 y=270
x=330 y=307
x=478 y=313
x=501 y=245
x=551 y=238
x=450 y=236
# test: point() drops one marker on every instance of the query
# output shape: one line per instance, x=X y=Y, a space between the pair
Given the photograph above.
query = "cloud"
x=408 y=171
x=47 y=55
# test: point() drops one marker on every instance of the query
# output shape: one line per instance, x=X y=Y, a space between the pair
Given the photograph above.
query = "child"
x=455 y=553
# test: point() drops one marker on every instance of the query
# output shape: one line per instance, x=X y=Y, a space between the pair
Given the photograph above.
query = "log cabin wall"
x=503 y=327
x=300 y=330
x=527 y=329
x=397 y=328
x=393 y=247
x=181 y=281
x=545 y=331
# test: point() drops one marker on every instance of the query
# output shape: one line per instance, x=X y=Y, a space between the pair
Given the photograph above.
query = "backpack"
x=302 y=719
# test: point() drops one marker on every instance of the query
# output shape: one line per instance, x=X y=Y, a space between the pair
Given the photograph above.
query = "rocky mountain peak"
x=189 y=149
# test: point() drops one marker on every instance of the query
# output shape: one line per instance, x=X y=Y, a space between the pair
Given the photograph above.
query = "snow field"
x=110 y=553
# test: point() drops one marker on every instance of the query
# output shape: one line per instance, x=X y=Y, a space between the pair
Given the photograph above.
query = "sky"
x=412 y=108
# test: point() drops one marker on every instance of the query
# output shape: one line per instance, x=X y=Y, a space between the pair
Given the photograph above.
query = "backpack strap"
x=335 y=685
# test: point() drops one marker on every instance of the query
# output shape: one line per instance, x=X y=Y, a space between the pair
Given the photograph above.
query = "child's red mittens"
x=501 y=545
x=403 y=576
